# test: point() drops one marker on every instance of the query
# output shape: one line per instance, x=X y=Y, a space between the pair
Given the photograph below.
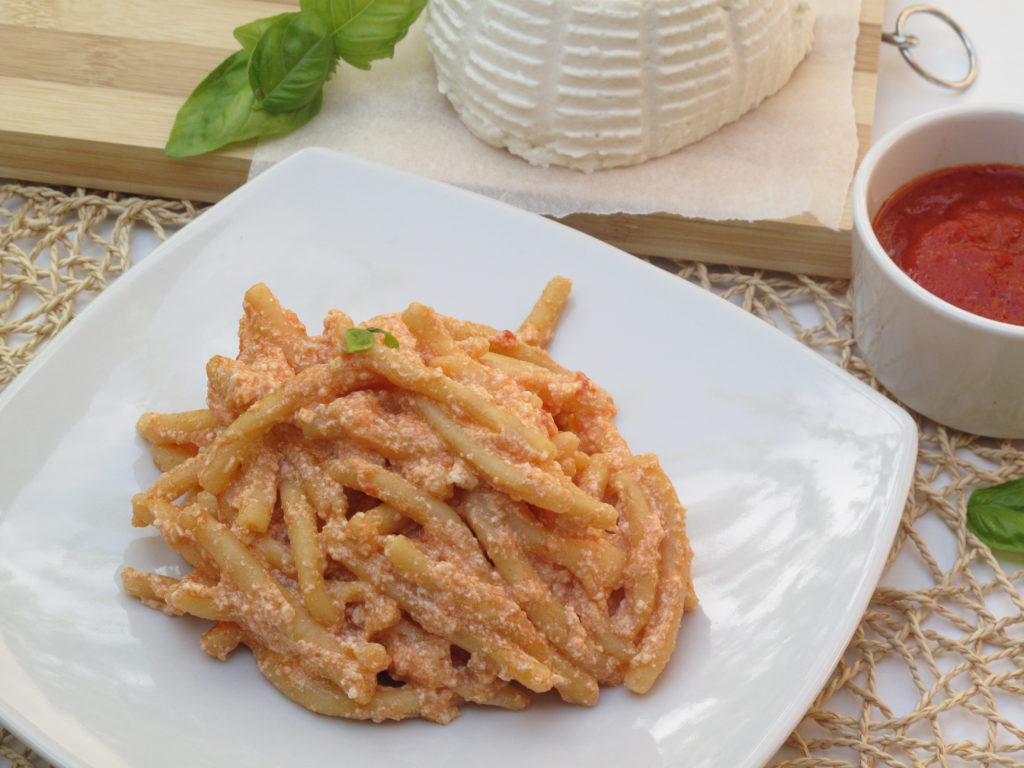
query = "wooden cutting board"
x=90 y=89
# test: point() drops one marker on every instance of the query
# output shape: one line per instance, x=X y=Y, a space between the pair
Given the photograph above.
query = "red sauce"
x=959 y=233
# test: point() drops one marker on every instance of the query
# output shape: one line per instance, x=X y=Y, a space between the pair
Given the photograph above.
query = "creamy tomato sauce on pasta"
x=404 y=517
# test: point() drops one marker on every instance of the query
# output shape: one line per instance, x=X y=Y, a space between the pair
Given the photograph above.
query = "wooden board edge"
x=788 y=246
x=865 y=69
x=30 y=157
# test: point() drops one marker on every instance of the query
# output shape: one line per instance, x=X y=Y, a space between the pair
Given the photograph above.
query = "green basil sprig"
x=360 y=339
x=996 y=515
x=275 y=83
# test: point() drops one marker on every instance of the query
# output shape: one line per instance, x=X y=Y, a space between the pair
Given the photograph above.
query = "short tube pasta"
x=399 y=532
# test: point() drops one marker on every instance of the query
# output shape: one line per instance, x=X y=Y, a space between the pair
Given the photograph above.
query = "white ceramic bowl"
x=955 y=367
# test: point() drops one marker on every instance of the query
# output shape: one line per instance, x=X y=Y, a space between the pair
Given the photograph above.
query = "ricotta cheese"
x=591 y=84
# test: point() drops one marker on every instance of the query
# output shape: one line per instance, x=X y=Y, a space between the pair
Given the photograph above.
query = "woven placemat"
x=955 y=642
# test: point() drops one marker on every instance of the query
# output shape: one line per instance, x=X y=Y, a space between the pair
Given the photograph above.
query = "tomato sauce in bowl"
x=959 y=233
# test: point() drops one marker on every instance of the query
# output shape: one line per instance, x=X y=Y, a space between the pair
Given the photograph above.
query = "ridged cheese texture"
x=591 y=84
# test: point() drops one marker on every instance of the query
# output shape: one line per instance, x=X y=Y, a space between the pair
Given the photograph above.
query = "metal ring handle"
x=906 y=42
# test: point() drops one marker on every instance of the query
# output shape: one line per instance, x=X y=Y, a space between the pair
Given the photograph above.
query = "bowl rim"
x=863 y=226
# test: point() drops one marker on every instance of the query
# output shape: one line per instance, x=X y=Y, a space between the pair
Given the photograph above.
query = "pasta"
x=406 y=516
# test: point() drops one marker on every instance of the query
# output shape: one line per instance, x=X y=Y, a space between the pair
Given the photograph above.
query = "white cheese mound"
x=591 y=84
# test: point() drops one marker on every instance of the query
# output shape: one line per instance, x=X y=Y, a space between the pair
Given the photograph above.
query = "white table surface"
x=997 y=30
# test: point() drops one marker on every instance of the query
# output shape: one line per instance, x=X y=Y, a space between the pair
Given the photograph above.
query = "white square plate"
x=794 y=473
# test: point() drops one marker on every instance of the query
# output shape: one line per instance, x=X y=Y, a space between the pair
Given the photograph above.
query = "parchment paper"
x=794 y=154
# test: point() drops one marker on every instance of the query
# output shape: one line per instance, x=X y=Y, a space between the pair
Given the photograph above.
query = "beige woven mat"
x=954 y=645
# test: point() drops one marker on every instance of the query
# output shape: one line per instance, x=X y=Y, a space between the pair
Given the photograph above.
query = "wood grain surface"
x=90 y=89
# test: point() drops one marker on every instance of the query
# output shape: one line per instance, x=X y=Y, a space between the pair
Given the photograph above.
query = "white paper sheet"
x=794 y=154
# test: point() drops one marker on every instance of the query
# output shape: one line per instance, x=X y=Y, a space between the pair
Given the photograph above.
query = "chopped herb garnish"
x=360 y=339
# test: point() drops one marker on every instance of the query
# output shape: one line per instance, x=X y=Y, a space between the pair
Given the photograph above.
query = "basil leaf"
x=389 y=340
x=360 y=339
x=222 y=110
x=290 y=64
x=249 y=34
x=996 y=515
x=357 y=339
x=364 y=30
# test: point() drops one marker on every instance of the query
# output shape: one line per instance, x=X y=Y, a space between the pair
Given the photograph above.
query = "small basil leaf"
x=996 y=515
x=222 y=110
x=364 y=30
x=389 y=340
x=290 y=64
x=249 y=34
x=358 y=339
